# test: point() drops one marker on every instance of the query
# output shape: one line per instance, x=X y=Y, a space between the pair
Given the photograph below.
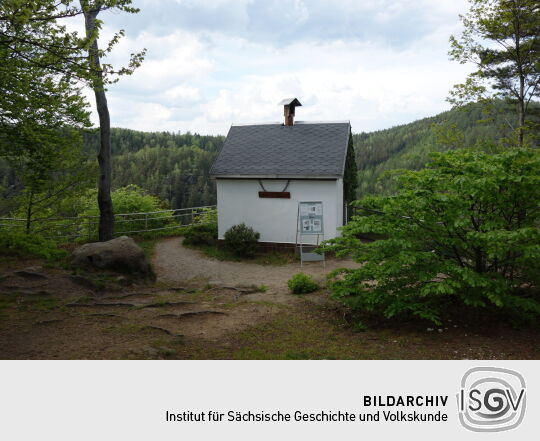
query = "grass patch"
x=269 y=304
x=321 y=335
x=153 y=235
x=295 y=355
x=100 y=279
x=30 y=245
x=148 y=245
x=39 y=303
x=27 y=302
x=221 y=253
x=125 y=329
x=255 y=288
x=295 y=337
x=7 y=301
x=83 y=300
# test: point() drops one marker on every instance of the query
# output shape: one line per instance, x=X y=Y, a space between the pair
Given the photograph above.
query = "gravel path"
x=175 y=263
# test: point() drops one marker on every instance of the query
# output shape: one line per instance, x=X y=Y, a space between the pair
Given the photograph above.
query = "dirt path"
x=52 y=313
x=175 y=263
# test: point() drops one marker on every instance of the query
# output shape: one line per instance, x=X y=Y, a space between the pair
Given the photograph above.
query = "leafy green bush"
x=206 y=216
x=241 y=240
x=302 y=284
x=205 y=229
x=130 y=199
x=29 y=245
x=205 y=234
x=464 y=230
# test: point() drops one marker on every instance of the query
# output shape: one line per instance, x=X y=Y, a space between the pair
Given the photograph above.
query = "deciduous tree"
x=464 y=230
x=34 y=40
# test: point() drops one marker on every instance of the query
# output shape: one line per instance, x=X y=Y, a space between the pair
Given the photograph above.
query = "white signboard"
x=311 y=218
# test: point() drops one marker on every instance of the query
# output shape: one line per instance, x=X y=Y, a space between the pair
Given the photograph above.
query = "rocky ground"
x=204 y=308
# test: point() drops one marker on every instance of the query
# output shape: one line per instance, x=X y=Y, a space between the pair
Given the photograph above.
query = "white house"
x=264 y=170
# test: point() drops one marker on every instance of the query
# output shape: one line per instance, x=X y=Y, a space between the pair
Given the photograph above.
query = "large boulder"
x=121 y=254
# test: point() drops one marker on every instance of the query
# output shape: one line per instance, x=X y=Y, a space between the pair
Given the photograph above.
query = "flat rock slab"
x=30 y=275
x=191 y=314
x=83 y=281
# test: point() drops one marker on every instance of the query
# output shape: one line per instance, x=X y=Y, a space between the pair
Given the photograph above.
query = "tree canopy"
x=43 y=68
x=502 y=39
x=462 y=231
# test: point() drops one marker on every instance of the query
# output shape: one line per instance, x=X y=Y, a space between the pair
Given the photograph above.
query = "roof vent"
x=288 y=109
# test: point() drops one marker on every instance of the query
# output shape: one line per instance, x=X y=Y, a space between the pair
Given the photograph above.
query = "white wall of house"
x=275 y=219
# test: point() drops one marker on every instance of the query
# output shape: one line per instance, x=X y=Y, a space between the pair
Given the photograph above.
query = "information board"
x=311 y=218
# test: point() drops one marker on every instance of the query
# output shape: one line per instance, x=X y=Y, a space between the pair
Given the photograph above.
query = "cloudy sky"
x=211 y=63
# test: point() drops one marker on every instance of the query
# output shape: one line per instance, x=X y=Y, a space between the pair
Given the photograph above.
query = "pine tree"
x=502 y=38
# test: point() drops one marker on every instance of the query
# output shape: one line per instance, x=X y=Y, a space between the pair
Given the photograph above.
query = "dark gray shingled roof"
x=276 y=150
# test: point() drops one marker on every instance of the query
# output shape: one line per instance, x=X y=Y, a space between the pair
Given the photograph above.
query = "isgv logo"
x=491 y=399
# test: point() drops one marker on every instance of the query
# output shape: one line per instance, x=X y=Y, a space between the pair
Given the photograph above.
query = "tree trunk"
x=519 y=62
x=521 y=103
x=106 y=214
x=29 y=212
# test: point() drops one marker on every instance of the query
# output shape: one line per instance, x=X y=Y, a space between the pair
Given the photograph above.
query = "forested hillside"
x=408 y=146
x=174 y=167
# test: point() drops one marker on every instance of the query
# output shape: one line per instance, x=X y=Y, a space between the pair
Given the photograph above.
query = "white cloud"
x=171 y=59
x=203 y=81
x=182 y=93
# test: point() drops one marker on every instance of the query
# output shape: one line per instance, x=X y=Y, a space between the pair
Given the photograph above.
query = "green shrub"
x=302 y=284
x=360 y=326
x=463 y=231
x=241 y=240
x=29 y=245
x=205 y=234
x=130 y=199
x=206 y=216
x=205 y=229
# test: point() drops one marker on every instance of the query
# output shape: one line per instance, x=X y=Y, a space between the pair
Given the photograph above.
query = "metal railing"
x=71 y=228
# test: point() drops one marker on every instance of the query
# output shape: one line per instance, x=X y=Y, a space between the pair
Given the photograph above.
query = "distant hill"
x=175 y=166
x=408 y=146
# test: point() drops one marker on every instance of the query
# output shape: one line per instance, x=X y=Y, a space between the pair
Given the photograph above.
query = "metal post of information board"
x=309 y=222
